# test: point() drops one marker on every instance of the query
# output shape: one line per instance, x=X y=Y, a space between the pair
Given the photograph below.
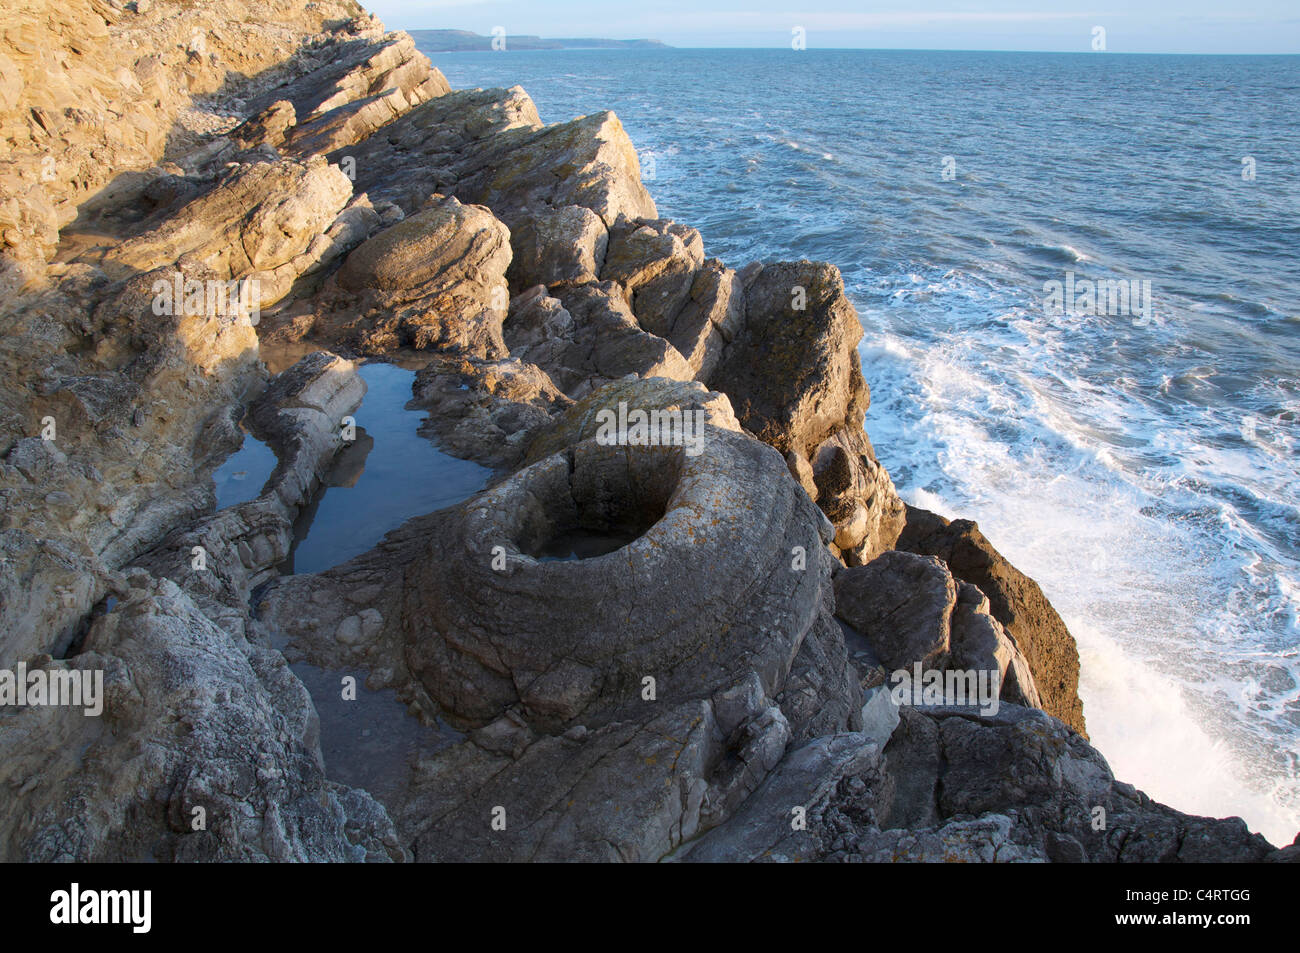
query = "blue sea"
x=1143 y=468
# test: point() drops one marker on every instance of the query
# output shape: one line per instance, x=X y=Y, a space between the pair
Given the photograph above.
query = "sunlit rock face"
x=663 y=613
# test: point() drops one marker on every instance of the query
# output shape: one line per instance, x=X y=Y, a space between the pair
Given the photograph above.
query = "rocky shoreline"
x=625 y=648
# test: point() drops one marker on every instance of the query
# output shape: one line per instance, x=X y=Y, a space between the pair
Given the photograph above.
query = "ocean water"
x=1143 y=468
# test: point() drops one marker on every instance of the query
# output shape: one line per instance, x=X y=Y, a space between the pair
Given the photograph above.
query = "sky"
x=1130 y=26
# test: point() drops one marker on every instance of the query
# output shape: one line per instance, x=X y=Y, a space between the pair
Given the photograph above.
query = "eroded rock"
x=1016 y=601
x=247 y=764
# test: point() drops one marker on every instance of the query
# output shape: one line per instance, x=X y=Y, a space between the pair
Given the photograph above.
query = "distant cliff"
x=463 y=41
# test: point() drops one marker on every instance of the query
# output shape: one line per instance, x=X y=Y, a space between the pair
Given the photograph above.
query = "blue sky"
x=1133 y=26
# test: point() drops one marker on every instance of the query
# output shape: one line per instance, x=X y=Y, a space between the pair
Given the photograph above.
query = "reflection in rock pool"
x=387 y=476
x=241 y=477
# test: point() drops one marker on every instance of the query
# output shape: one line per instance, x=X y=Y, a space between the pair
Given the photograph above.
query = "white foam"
x=1177 y=616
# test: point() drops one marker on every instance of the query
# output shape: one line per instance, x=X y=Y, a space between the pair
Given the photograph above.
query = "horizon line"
x=841 y=49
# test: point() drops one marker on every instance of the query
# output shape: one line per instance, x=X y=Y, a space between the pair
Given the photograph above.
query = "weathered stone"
x=487 y=411
x=268 y=127
x=434 y=281
x=903 y=605
x=567 y=659
x=90 y=96
x=793 y=372
x=802 y=472
x=653 y=394
x=654 y=262
x=710 y=319
x=980 y=643
x=564 y=245
x=638 y=641
x=597 y=339
x=1016 y=601
x=856 y=494
x=248 y=756
x=488 y=147
x=255 y=220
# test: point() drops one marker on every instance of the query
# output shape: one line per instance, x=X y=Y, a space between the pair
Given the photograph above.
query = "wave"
x=1181 y=598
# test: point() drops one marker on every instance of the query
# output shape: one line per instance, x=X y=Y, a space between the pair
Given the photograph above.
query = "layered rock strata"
x=666 y=628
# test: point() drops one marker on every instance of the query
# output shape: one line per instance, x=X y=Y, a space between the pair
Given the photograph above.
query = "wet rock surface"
x=662 y=631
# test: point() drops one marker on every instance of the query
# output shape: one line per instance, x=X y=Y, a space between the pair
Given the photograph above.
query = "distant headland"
x=463 y=41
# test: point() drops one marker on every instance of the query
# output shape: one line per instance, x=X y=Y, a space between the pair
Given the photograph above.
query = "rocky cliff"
x=192 y=193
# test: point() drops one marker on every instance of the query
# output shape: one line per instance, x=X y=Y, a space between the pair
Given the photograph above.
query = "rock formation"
x=668 y=622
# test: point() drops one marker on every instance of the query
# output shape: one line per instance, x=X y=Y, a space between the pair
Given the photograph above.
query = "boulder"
x=857 y=495
x=433 y=281
x=1016 y=601
x=447 y=241
x=556 y=246
x=903 y=604
x=793 y=372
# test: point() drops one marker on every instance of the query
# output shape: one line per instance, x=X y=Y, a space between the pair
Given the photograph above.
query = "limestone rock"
x=710 y=319
x=424 y=247
x=676 y=513
x=486 y=411
x=258 y=218
x=581 y=421
x=980 y=643
x=654 y=261
x=793 y=372
x=351 y=70
x=268 y=127
x=634 y=652
x=902 y=603
x=565 y=245
x=856 y=493
x=91 y=95
x=248 y=755
x=951 y=788
x=434 y=281
x=488 y=147
x=363 y=87
x=572 y=667
x=1033 y=768
x=595 y=340
x=1016 y=601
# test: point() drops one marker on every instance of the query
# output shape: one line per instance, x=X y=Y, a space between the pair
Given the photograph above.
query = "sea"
x=1141 y=466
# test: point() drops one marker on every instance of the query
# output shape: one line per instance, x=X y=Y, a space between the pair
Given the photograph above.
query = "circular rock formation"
x=692 y=576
